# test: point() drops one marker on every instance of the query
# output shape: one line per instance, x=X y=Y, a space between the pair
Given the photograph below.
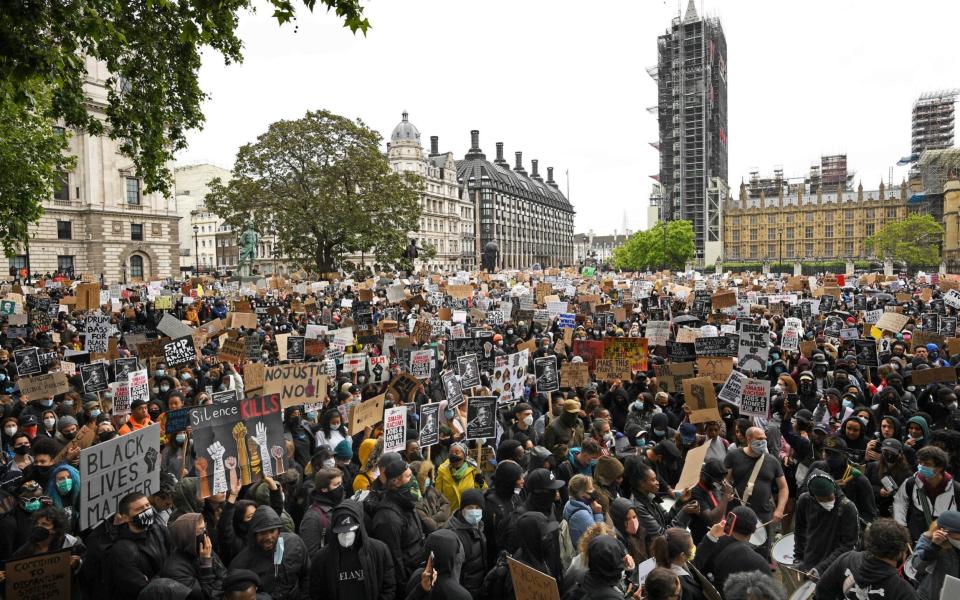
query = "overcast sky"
x=565 y=82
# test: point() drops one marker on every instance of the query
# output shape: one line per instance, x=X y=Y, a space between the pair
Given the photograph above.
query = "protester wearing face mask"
x=64 y=491
x=49 y=534
x=140 y=549
x=396 y=523
x=458 y=474
x=16 y=525
x=931 y=486
x=331 y=431
x=522 y=428
x=675 y=550
x=91 y=411
x=856 y=487
x=740 y=465
x=193 y=562
x=826 y=525
x=564 y=432
x=935 y=554
x=279 y=558
x=433 y=507
x=8 y=428
x=48 y=424
x=467 y=523
x=713 y=494
x=887 y=474
x=172 y=458
x=352 y=565
x=630 y=532
x=918 y=433
x=501 y=501
x=327 y=494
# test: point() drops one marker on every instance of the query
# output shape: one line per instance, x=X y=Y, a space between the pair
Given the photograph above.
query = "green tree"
x=32 y=161
x=667 y=245
x=323 y=186
x=152 y=50
x=915 y=240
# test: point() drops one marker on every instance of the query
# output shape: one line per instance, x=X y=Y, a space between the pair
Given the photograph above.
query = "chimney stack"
x=434 y=145
x=475 y=151
x=519 y=167
x=535 y=174
x=500 y=160
x=550 y=180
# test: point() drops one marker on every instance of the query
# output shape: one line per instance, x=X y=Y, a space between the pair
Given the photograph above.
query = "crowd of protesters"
x=856 y=462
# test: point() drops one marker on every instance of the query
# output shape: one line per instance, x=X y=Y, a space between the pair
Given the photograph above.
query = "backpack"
x=567 y=551
x=324 y=522
x=497 y=583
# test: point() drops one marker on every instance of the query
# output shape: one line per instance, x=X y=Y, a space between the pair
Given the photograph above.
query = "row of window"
x=774 y=234
x=132 y=189
x=849 y=214
x=790 y=250
x=65 y=263
x=65 y=231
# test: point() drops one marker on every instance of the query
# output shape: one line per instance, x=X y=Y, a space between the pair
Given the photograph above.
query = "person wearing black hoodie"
x=826 y=524
x=193 y=562
x=140 y=550
x=501 y=500
x=873 y=570
x=447 y=551
x=604 y=576
x=352 y=565
x=539 y=548
x=466 y=523
x=854 y=484
x=397 y=524
x=326 y=495
x=278 y=558
x=722 y=555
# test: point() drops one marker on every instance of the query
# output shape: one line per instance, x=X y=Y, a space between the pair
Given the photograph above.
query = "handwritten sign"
x=41 y=577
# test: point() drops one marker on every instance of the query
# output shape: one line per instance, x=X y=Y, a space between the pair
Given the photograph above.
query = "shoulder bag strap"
x=753 y=479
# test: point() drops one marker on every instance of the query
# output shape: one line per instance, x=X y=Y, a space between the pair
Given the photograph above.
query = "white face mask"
x=346 y=539
x=827 y=506
x=10 y=431
x=528 y=420
x=49 y=423
x=329 y=463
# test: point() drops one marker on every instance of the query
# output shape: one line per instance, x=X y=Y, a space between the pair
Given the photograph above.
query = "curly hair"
x=886 y=539
x=594 y=531
x=755 y=585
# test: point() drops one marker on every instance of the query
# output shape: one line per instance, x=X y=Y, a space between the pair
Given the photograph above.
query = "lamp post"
x=196 y=251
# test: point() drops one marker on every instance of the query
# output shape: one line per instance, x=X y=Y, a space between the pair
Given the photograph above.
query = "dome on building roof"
x=405 y=131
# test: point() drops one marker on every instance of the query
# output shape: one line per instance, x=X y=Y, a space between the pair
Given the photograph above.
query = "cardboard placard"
x=608 y=369
x=574 y=375
x=366 y=414
x=531 y=584
x=717 y=368
x=699 y=395
x=633 y=349
x=723 y=299
x=112 y=469
x=233 y=351
x=301 y=383
x=690 y=474
x=44 y=386
x=253 y=376
x=670 y=376
x=891 y=321
x=41 y=577
x=936 y=375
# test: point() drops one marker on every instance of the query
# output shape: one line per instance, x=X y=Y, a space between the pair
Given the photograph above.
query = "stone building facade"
x=528 y=217
x=192 y=184
x=447 y=218
x=805 y=226
x=100 y=220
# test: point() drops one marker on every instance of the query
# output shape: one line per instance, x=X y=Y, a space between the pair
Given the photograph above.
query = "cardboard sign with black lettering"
x=97 y=334
x=110 y=470
x=122 y=367
x=233 y=351
x=922 y=377
x=531 y=584
x=429 y=424
x=670 y=376
x=27 y=361
x=94 y=377
x=40 y=577
x=452 y=389
x=366 y=414
x=575 y=375
x=548 y=379
x=296 y=384
x=44 y=386
x=699 y=395
x=481 y=417
x=180 y=351
x=239 y=441
x=469 y=370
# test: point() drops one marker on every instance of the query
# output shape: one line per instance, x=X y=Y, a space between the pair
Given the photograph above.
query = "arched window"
x=136 y=267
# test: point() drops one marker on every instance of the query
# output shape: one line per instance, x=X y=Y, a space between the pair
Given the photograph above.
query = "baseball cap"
x=571 y=406
x=346 y=524
x=834 y=444
x=688 y=432
x=542 y=479
x=891 y=445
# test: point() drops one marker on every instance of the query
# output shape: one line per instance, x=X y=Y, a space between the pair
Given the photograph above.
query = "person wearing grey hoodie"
x=193 y=561
x=280 y=559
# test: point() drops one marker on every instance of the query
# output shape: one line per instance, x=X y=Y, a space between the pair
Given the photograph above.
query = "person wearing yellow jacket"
x=458 y=474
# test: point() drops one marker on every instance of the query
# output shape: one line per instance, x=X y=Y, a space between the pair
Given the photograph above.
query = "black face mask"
x=21 y=450
x=105 y=436
x=154 y=414
x=38 y=534
x=891 y=459
x=334 y=496
x=455 y=460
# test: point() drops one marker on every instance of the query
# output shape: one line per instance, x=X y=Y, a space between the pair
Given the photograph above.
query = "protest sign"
x=366 y=414
x=27 y=361
x=719 y=345
x=717 y=368
x=233 y=351
x=139 y=385
x=481 y=422
x=575 y=375
x=405 y=386
x=39 y=577
x=237 y=442
x=176 y=420
x=754 y=347
x=529 y=583
x=379 y=368
x=224 y=396
x=121 y=398
x=44 y=386
x=692 y=465
x=699 y=396
x=791 y=339
x=296 y=384
x=456 y=348
x=173 y=327
x=658 y=332
x=296 y=347
x=671 y=375
x=733 y=388
x=867 y=353
x=429 y=424
x=94 y=377
x=420 y=363
x=452 y=389
x=922 y=377
x=469 y=371
x=122 y=367
x=97 y=333
x=110 y=470
x=755 y=399
x=395 y=429
x=891 y=321
x=508 y=375
x=180 y=351
x=548 y=379
x=354 y=362
x=633 y=349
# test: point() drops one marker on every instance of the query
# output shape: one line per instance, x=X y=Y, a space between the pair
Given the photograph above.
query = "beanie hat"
x=66 y=420
x=949 y=520
x=472 y=496
x=392 y=465
x=821 y=485
x=608 y=470
x=343 y=450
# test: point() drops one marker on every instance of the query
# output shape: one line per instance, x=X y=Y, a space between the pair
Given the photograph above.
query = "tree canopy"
x=667 y=245
x=323 y=186
x=152 y=50
x=915 y=241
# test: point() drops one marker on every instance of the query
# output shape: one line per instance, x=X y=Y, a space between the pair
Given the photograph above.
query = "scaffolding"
x=933 y=121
